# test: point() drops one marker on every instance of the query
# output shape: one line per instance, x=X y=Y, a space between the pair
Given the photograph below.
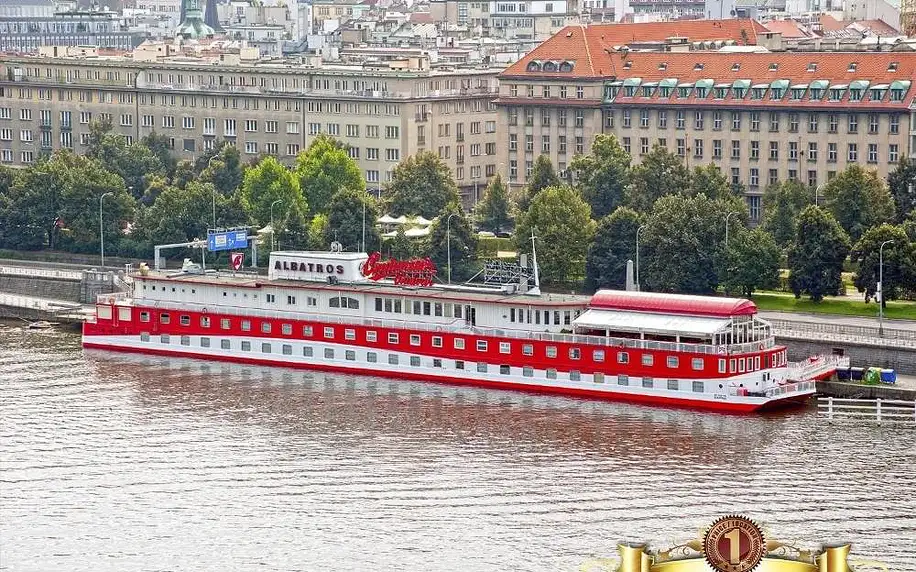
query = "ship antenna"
x=536 y=291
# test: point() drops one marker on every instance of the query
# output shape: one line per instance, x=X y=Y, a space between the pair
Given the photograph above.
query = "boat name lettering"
x=308 y=267
x=414 y=272
x=720 y=396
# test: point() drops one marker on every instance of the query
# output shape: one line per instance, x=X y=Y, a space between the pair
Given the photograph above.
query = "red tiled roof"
x=788 y=28
x=588 y=46
x=831 y=24
x=879 y=27
x=421 y=18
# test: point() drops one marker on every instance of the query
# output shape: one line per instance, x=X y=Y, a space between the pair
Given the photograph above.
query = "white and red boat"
x=352 y=313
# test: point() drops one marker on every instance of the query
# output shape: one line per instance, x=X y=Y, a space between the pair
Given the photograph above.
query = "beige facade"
x=383 y=115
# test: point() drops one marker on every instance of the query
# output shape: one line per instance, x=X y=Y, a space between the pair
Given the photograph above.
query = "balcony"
x=45 y=125
x=67 y=126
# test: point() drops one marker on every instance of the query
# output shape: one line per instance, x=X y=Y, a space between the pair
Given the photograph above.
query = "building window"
x=392 y=338
x=672 y=361
x=647 y=360
x=696 y=364
x=852 y=152
x=481 y=345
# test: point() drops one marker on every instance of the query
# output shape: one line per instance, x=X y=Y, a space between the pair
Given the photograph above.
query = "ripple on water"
x=113 y=462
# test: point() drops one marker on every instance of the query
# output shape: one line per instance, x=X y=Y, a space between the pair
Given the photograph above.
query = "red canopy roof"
x=672 y=303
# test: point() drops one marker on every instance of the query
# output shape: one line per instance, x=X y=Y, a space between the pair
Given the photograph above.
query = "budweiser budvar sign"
x=415 y=272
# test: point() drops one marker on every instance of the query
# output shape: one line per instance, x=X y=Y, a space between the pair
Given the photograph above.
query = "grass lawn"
x=781 y=302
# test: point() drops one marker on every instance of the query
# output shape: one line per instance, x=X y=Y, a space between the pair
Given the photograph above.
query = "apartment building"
x=761 y=117
x=383 y=113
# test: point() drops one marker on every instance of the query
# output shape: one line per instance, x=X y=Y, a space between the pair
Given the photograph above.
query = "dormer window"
x=549 y=67
x=892 y=67
x=627 y=64
x=566 y=67
x=698 y=67
x=852 y=67
x=812 y=67
x=736 y=67
x=774 y=67
x=662 y=66
x=855 y=95
x=533 y=67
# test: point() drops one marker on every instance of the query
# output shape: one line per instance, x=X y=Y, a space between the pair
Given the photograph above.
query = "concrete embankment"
x=858 y=391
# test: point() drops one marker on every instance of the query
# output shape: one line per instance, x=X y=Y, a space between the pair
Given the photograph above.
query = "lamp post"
x=881 y=287
x=209 y=163
x=273 y=230
x=638 y=230
x=728 y=216
x=448 y=244
x=102 y=228
x=817 y=194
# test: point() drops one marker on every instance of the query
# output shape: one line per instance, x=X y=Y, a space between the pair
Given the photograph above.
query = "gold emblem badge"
x=734 y=544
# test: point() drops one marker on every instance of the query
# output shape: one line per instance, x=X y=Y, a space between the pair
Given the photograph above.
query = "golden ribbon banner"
x=689 y=557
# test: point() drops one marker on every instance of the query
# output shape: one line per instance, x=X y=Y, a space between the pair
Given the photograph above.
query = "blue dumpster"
x=888 y=376
x=856 y=373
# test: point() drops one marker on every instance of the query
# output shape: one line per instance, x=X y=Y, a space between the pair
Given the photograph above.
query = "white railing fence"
x=816 y=366
x=880 y=410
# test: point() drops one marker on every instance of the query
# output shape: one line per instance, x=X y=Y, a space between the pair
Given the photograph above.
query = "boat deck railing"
x=817 y=366
x=457 y=326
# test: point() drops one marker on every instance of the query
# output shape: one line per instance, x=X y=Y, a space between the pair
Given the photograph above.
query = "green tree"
x=542 y=176
x=603 y=175
x=902 y=184
x=178 y=215
x=782 y=204
x=136 y=163
x=160 y=145
x=421 y=185
x=223 y=169
x=709 y=180
x=463 y=243
x=495 y=212
x=293 y=230
x=562 y=224
x=400 y=246
x=753 y=262
x=317 y=232
x=858 y=199
x=346 y=211
x=324 y=169
x=899 y=262
x=266 y=183
x=682 y=243
x=613 y=246
x=184 y=174
x=817 y=254
x=660 y=173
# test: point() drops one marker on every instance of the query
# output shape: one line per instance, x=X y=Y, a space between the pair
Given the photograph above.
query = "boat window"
x=459 y=364
x=528 y=371
x=427 y=308
x=205 y=321
x=457 y=310
x=265 y=348
x=697 y=364
x=164 y=338
x=306 y=330
x=623 y=357
x=350 y=355
x=740 y=365
x=414 y=339
x=392 y=338
x=437 y=362
x=265 y=327
x=287 y=329
x=733 y=365
x=164 y=318
x=722 y=368
x=698 y=387
x=437 y=341
x=567 y=318
x=481 y=367
x=246 y=346
x=185 y=340
x=205 y=342
x=623 y=379
x=144 y=316
x=371 y=357
x=481 y=345
x=648 y=382
x=757 y=362
x=397 y=306
x=349 y=334
x=389 y=306
x=311 y=301
x=511 y=314
x=144 y=336
x=505 y=347
x=437 y=309
x=329 y=332
x=527 y=349
x=291 y=300
x=246 y=325
x=307 y=351
x=287 y=350
x=647 y=359
x=346 y=302
x=551 y=351
x=575 y=353
x=224 y=323
x=371 y=336
x=378 y=304
x=393 y=359
x=504 y=370
x=416 y=307
x=598 y=355
x=673 y=361
x=574 y=375
x=225 y=344
x=551 y=373
x=459 y=343
x=673 y=384
x=598 y=377
x=329 y=353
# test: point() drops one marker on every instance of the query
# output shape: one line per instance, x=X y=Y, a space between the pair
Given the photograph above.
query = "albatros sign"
x=414 y=272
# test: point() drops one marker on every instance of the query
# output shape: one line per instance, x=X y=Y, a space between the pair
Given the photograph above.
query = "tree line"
x=693 y=225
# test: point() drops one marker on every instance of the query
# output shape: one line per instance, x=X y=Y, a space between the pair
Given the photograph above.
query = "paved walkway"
x=855 y=321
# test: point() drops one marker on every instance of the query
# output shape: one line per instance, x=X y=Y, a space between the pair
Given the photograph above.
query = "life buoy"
x=760 y=347
x=204 y=311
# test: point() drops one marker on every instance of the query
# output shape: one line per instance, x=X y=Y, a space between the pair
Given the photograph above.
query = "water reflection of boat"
x=298 y=402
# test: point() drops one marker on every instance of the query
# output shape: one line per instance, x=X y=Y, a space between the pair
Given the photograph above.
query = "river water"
x=110 y=462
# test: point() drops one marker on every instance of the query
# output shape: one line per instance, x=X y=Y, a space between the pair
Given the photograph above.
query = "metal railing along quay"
x=841 y=333
x=880 y=410
x=49 y=273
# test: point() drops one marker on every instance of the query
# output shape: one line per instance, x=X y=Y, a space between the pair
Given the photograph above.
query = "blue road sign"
x=227 y=240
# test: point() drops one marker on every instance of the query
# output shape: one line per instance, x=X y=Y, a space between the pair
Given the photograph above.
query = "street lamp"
x=728 y=216
x=817 y=194
x=448 y=244
x=638 y=230
x=273 y=230
x=102 y=228
x=881 y=287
